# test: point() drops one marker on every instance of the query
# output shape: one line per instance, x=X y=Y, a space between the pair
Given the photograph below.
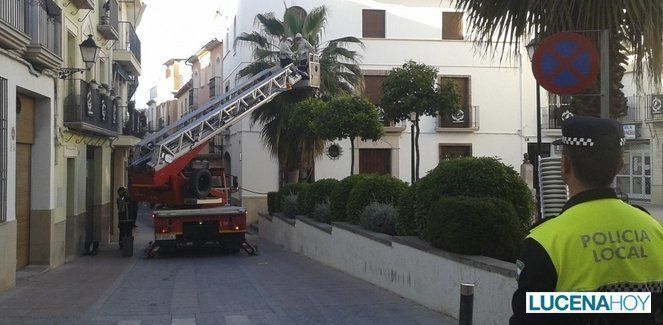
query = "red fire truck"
x=191 y=200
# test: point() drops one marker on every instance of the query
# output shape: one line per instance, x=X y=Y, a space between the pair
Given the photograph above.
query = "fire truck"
x=191 y=199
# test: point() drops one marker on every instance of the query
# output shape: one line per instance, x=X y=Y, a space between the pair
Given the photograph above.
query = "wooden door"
x=375 y=161
x=24 y=139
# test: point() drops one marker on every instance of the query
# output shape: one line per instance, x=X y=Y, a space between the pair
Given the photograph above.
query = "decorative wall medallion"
x=458 y=116
x=334 y=151
x=88 y=102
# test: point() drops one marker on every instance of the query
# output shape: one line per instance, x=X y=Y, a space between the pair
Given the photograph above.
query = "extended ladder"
x=196 y=128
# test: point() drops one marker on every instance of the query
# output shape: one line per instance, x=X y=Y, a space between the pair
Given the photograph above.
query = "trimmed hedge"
x=476 y=226
x=406 y=221
x=379 y=217
x=322 y=213
x=338 y=200
x=474 y=177
x=381 y=189
x=315 y=193
x=292 y=188
x=274 y=201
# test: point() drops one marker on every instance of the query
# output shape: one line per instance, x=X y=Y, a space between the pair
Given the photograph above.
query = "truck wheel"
x=201 y=183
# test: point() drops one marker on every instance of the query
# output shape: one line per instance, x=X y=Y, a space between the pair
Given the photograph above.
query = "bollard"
x=466 y=303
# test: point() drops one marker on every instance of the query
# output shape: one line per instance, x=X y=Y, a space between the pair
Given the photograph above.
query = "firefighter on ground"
x=126 y=217
x=598 y=242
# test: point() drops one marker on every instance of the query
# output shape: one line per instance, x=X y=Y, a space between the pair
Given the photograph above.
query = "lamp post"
x=89 y=52
x=531 y=48
x=413 y=117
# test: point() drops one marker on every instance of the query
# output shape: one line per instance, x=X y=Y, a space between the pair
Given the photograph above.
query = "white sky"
x=173 y=29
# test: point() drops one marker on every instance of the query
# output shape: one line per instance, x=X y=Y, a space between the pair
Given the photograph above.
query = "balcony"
x=83 y=4
x=136 y=123
x=12 y=25
x=43 y=22
x=127 y=48
x=86 y=110
x=635 y=106
x=463 y=120
x=108 y=22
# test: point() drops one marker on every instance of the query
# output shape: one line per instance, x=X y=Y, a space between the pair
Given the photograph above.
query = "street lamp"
x=531 y=48
x=413 y=118
x=89 y=52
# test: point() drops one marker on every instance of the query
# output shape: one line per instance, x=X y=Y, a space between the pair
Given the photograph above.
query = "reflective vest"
x=604 y=244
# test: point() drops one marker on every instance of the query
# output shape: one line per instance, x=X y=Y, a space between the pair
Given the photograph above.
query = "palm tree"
x=339 y=72
x=636 y=29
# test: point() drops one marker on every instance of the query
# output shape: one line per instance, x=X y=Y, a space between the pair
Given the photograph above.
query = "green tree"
x=302 y=126
x=349 y=117
x=636 y=28
x=339 y=73
x=412 y=88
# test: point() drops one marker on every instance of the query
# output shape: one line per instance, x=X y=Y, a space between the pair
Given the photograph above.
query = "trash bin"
x=128 y=246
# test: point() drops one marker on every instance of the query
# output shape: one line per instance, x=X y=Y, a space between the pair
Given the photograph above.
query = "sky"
x=173 y=29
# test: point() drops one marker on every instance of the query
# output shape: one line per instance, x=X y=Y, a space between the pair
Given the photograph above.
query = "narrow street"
x=203 y=287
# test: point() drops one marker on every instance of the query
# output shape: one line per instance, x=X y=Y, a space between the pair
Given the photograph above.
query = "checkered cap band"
x=585 y=142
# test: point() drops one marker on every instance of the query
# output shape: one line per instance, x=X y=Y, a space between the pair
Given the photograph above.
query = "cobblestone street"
x=203 y=287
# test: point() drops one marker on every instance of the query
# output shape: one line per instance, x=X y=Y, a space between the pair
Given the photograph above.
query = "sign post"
x=605 y=73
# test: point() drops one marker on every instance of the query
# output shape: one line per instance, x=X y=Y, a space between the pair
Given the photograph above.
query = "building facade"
x=64 y=133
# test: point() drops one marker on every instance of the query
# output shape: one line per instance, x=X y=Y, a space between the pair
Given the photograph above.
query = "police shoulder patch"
x=519 y=268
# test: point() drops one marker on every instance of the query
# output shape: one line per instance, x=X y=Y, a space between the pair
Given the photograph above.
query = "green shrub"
x=379 y=217
x=475 y=177
x=290 y=206
x=381 y=189
x=315 y=193
x=338 y=200
x=292 y=188
x=476 y=226
x=406 y=223
x=274 y=202
x=322 y=212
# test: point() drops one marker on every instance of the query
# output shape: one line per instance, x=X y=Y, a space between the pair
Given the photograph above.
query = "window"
x=234 y=33
x=373 y=91
x=4 y=107
x=373 y=23
x=452 y=25
x=212 y=87
x=458 y=119
x=375 y=161
x=451 y=151
x=227 y=86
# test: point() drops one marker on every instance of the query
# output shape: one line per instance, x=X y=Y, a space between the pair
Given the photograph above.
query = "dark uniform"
x=125 y=215
x=597 y=243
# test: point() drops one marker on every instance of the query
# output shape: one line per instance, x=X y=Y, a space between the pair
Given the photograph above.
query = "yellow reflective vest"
x=604 y=244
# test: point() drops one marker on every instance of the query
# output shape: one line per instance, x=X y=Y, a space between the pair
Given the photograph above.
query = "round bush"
x=338 y=200
x=475 y=177
x=381 y=189
x=322 y=213
x=290 y=206
x=406 y=223
x=315 y=193
x=379 y=217
x=476 y=226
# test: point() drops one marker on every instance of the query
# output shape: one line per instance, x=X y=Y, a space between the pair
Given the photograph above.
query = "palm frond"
x=254 y=38
x=255 y=68
x=344 y=41
x=270 y=24
x=314 y=24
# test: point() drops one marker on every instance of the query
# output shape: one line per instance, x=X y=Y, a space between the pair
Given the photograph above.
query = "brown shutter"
x=374 y=88
x=375 y=161
x=463 y=85
x=373 y=23
x=452 y=25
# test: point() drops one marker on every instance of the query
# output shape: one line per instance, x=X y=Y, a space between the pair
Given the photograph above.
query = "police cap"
x=591 y=132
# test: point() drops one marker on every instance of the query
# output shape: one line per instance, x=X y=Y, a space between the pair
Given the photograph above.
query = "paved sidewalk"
x=204 y=287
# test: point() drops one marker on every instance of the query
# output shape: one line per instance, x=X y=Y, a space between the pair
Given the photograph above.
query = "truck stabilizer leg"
x=151 y=250
x=251 y=250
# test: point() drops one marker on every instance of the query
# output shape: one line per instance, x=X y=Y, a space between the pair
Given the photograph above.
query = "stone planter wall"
x=404 y=265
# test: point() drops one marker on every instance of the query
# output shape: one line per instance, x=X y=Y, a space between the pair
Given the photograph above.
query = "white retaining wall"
x=404 y=265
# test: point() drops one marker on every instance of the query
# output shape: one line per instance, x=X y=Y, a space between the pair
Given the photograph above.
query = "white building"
x=500 y=122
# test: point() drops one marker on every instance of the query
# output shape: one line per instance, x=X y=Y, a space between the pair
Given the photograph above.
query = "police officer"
x=598 y=242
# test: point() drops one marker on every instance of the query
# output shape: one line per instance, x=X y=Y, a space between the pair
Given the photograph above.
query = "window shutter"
x=463 y=85
x=452 y=25
x=374 y=88
x=373 y=23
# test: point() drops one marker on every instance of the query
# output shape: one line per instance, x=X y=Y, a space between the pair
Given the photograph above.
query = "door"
x=375 y=161
x=24 y=139
x=635 y=177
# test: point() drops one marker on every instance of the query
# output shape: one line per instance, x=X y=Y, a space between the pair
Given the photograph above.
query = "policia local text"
x=631 y=247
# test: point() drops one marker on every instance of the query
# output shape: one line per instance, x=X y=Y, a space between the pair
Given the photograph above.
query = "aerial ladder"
x=190 y=199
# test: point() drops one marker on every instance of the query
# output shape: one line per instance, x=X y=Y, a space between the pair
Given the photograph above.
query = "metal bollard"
x=466 y=303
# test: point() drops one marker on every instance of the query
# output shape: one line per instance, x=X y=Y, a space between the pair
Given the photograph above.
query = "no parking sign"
x=566 y=63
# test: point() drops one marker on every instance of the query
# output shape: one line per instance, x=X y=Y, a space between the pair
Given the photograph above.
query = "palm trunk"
x=416 y=145
x=352 y=156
